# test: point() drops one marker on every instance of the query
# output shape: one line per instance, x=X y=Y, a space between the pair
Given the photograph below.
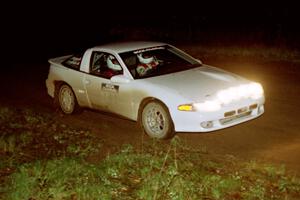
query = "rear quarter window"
x=73 y=62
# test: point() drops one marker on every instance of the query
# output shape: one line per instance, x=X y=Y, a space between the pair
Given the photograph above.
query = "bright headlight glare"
x=208 y=106
x=256 y=90
x=226 y=96
x=252 y=90
x=243 y=91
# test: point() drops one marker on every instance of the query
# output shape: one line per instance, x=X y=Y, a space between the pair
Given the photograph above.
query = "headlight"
x=256 y=90
x=252 y=90
x=208 y=106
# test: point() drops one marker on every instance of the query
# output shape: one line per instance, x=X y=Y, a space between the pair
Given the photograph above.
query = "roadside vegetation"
x=40 y=158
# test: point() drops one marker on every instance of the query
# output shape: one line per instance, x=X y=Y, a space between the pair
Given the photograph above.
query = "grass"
x=157 y=170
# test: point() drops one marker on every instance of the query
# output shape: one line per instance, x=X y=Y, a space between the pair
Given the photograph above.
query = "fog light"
x=207 y=124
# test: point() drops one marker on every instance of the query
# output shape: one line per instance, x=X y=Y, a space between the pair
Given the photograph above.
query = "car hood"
x=197 y=84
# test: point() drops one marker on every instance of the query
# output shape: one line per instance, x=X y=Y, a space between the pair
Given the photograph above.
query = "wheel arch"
x=144 y=102
x=147 y=100
x=57 y=85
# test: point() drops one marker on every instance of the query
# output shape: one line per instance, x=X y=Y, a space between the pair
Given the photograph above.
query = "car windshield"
x=156 y=61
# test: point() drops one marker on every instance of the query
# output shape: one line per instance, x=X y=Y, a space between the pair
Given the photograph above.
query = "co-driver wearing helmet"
x=113 y=65
x=147 y=63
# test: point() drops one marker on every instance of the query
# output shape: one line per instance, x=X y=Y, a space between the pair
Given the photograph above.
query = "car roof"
x=121 y=47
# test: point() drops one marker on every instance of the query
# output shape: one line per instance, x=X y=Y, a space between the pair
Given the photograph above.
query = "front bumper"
x=211 y=121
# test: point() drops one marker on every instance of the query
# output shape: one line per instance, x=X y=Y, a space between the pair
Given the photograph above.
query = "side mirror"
x=120 y=79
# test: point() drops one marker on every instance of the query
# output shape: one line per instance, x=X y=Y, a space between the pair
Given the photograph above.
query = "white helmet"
x=145 y=59
x=112 y=63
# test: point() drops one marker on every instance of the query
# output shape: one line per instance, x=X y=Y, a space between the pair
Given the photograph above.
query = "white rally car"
x=163 y=88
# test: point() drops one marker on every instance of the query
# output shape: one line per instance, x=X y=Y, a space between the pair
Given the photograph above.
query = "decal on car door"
x=109 y=87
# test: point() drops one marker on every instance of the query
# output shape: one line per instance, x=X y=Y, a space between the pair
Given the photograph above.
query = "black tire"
x=66 y=100
x=155 y=120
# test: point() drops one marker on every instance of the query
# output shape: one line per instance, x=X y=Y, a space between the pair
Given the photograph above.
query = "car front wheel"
x=156 y=121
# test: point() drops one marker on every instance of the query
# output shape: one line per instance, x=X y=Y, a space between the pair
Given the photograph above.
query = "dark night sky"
x=51 y=28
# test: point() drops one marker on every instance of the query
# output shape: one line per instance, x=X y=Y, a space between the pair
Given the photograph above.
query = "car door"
x=102 y=93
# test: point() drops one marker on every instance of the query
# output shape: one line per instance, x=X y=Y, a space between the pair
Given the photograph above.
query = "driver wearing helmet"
x=113 y=65
x=146 y=65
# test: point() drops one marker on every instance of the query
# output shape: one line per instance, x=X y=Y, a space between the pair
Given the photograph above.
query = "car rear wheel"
x=67 y=100
x=156 y=121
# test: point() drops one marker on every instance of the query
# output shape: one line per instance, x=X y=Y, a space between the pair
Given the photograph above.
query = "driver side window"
x=104 y=65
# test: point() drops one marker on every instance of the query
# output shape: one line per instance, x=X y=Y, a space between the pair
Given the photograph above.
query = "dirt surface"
x=274 y=137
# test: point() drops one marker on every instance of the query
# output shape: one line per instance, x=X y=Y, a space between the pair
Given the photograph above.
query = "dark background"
x=36 y=31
